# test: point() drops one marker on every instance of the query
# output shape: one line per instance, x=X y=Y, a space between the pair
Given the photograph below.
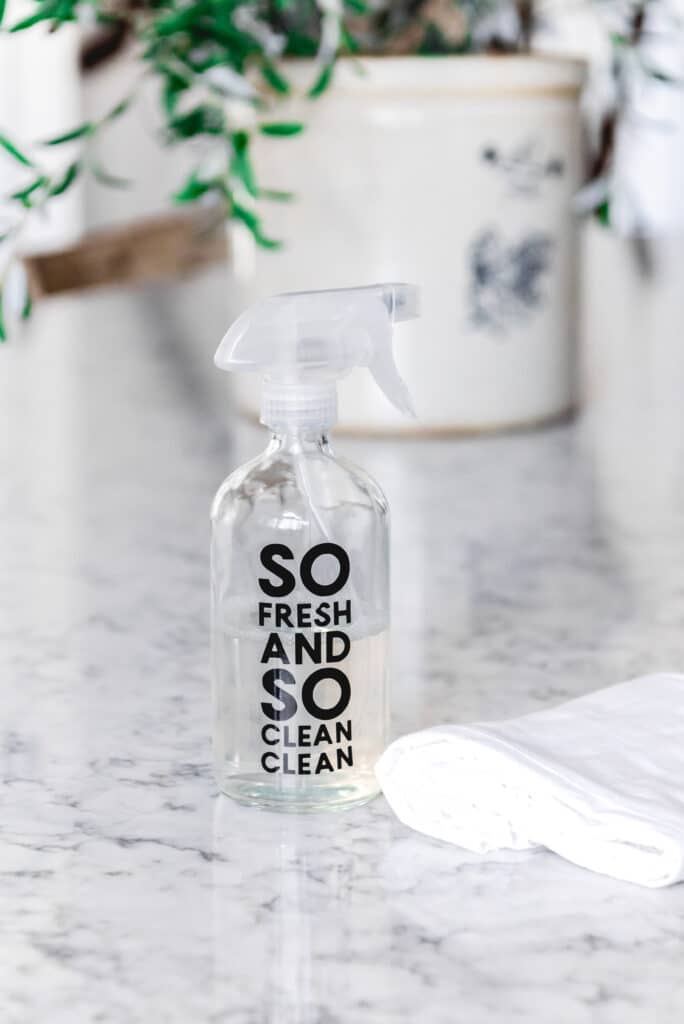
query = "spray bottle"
x=300 y=561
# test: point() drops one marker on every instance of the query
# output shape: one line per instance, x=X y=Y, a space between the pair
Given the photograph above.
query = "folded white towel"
x=599 y=780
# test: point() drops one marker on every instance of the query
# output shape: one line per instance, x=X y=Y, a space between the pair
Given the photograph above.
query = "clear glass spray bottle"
x=300 y=562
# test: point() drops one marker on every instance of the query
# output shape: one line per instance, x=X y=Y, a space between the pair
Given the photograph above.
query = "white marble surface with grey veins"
x=527 y=569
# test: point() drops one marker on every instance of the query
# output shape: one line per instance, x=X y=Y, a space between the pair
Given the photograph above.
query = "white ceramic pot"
x=456 y=173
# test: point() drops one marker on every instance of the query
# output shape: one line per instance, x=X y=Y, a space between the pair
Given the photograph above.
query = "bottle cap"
x=302 y=343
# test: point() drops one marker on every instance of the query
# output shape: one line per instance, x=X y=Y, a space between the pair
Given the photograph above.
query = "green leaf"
x=266 y=243
x=275 y=194
x=152 y=52
x=250 y=220
x=300 y=45
x=106 y=17
x=247 y=217
x=661 y=76
x=434 y=42
x=273 y=77
x=193 y=188
x=28 y=305
x=10 y=148
x=121 y=108
x=2 y=10
x=357 y=6
x=179 y=21
x=3 y=332
x=76 y=133
x=239 y=44
x=323 y=81
x=603 y=213
x=105 y=178
x=203 y=120
x=24 y=194
x=64 y=12
x=240 y=163
x=43 y=15
x=174 y=84
x=68 y=178
x=281 y=128
x=349 y=43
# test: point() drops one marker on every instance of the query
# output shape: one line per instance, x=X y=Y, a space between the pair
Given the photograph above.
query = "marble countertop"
x=527 y=569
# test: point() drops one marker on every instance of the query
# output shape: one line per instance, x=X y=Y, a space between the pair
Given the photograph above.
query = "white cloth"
x=599 y=780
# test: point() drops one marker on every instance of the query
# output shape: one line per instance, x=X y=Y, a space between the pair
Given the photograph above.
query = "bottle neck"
x=298 y=441
x=303 y=406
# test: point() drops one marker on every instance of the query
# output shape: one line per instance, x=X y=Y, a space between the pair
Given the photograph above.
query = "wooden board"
x=149 y=250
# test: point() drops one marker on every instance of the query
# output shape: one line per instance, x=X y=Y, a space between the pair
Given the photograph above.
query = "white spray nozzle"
x=303 y=342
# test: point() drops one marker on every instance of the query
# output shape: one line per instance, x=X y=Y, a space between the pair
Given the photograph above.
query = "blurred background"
x=520 y=160
x=165 y=165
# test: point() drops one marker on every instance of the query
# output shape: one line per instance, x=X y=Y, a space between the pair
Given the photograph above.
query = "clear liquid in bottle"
x=304 y=759
x=300 y=626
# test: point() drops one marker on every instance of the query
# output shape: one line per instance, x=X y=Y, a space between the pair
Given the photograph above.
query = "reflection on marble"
x=527 y=569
